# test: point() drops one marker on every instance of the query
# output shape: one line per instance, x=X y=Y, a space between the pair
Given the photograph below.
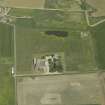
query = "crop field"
x=51 y=19
x=24 y=3
x=6 y=41
x=31 y=39
x=98 y=34
x=35 y=4
x=20 y=12
x=6 y=86
x=79 y=56
x=63 y=4
x=78 y=89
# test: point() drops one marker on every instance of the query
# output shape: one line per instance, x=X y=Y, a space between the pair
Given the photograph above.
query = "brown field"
x=24 y=3
x=99 y=5
x=102 y=81
x=59 y=90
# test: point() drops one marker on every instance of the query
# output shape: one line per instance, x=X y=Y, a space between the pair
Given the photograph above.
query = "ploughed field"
x=63 y=89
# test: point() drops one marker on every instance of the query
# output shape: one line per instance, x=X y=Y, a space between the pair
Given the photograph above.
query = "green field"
x=6 y=40
x=81 y=51
x=6 y=43
x=21 y=12
x=63 y=4
x=6 y=58
x=94 y=20
x=98 y=34
x=6 y=86
x=78 y=52
x=31 y=39
x=51 y=19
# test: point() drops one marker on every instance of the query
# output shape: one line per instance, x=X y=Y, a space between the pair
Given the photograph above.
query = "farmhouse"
x=47 y=64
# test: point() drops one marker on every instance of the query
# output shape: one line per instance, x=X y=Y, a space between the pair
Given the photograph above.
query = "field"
x=63 y=4
x=79 y=52
x=45 y=34
x=6 y=86
x=24 y=3
x=6 y=61
x=98 y=34
x=20 y=12
x=6 y=43
x=54 y=4
x=6 y=40
x=98 y=5
x=51 y=18
x=94 y=20
x=64 y=89
x=31 y=39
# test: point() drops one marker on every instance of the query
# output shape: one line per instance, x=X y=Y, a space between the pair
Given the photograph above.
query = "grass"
x=79 y=55
x=51 y=19
x=6 y=40
x=94 y=20
x=6 y=44
x=6 y=61
x=20 y=12
x=6 y=86
x=63 y=4
x=98 y=34
x=31 y=39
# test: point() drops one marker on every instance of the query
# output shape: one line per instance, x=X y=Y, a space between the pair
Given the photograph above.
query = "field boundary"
x=15 y=79
x=43 y=75
x=46 y=9
x=63 y=10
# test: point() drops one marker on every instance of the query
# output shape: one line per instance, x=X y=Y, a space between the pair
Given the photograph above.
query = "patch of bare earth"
x=99 y=5
x=25 y=3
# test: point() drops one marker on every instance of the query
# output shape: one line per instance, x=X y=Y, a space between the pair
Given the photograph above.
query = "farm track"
x=88 y=21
